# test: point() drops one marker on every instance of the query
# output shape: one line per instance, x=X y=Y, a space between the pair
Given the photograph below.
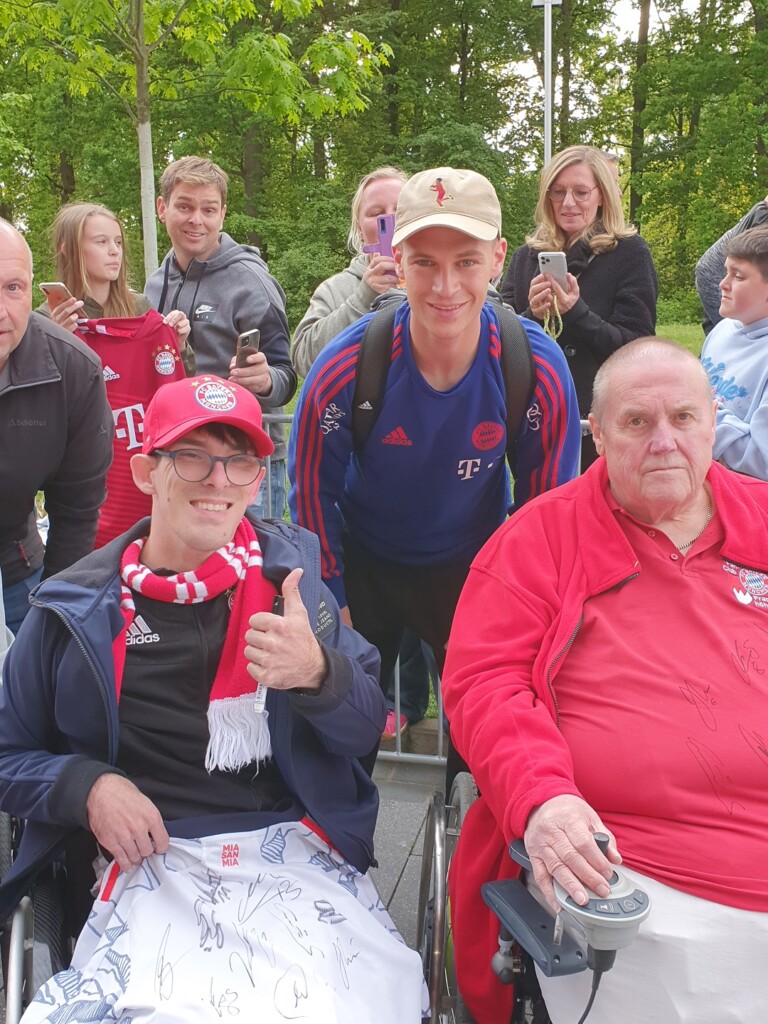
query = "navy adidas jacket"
x=59 y=716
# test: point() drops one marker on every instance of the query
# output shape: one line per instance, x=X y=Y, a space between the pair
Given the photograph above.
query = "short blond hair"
x=354 y=241
x=609 y=225
x=194 y=170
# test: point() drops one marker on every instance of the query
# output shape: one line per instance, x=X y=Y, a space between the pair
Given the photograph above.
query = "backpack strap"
x=371 y=373
x=517 y=369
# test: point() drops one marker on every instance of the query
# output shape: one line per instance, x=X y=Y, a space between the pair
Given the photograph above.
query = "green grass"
x=689 y=335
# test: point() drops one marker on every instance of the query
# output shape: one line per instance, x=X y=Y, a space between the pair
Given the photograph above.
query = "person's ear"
x=597 y=434
x=397 y=255
x=256 y=485
x=141 y=471
x=161 y=208
x=499 y=254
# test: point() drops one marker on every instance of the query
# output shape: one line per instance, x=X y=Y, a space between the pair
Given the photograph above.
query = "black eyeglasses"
x=581 y=194
x=194 y=466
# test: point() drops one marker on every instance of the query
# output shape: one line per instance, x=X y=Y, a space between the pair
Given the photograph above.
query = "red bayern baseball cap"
x=182 y=406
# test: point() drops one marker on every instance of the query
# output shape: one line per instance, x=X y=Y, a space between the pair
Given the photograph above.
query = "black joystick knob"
x=602 y=841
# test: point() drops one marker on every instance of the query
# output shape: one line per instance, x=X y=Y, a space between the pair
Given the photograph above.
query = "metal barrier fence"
x=398 y=754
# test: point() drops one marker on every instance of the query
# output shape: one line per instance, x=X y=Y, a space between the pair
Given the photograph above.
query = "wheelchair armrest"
x=533 y=927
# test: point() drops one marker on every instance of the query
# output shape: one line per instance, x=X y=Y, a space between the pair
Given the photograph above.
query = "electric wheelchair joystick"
x=578 y=937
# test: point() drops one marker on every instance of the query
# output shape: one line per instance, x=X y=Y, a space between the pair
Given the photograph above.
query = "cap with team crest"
x=450 y=198
x=178 y=408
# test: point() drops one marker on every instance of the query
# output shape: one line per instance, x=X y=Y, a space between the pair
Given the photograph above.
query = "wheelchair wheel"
x=434 y=927
x=50 y=951
x=430 y=925
x=38 y=947
x=6 y=843
x=463 y=795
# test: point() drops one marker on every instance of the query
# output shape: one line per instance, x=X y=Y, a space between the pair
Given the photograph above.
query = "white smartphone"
x=553 y=263
x=55 y=292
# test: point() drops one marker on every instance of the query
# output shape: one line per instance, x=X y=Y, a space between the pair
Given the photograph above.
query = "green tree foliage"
x=297 y=99
x=230 y=46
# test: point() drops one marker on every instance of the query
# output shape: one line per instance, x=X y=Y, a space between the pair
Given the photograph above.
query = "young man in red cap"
x=189 y=696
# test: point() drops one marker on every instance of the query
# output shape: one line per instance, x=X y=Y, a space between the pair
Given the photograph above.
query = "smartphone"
x=385 y=228
x=247 y=344
x=553 y=263
x=55 y=293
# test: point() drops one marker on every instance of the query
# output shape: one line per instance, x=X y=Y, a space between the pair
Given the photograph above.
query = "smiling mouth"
x=211 y=506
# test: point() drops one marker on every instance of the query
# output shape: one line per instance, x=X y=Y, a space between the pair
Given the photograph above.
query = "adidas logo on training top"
x=397 y=436
x=366 y=406
x=109 y=374
x=140 y=633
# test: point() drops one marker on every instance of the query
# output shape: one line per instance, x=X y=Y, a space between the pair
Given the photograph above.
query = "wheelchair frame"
x=442 y=829
x=433 y=927
x=36 y=926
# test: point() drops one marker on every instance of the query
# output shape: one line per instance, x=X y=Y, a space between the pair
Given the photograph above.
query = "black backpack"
x=373 y=362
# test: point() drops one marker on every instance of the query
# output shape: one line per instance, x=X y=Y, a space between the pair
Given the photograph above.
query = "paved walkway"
x=405 y=791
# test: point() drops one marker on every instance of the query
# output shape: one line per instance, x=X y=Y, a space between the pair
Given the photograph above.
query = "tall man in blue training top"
x=400 y=521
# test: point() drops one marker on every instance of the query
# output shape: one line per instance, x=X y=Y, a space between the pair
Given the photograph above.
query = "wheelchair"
x=434 y=936
x=38 y=940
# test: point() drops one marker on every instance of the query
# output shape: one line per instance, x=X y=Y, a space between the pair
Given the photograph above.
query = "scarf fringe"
x=238 y=734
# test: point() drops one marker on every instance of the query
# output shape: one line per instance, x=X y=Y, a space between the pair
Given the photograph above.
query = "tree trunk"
x=463 y=56
x=66 y=177
x=253 y=176
x=389 y=75
x=564 y=114
x=144 y=133
x=319 y=156
x=638 y=110
x=761 y=151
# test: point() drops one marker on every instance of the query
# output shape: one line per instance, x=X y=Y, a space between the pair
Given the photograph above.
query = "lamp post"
x=547 y=5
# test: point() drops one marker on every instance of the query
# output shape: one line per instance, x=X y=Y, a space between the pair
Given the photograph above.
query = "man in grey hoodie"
x=225 y=289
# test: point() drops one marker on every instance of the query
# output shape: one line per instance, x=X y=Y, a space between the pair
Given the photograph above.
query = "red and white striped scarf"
x=238 y=731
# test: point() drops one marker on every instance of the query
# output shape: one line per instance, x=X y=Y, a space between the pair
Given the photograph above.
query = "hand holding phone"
x=554 y=264
x=385 y=228
x=247 y=345
x=55 y=293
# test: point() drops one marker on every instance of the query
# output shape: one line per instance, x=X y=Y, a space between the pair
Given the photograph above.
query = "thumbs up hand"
x=281 y=650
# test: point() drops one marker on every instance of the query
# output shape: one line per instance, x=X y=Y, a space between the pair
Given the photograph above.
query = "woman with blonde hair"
x=89 y=244
x=140 y=350
x=612 y=286
x=345 y=297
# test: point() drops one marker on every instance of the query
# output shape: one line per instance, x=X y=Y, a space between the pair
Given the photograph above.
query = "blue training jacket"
x=431 y=483
x=59 y=716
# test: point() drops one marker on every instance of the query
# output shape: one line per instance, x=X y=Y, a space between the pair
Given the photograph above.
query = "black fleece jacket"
x=56 y=437
x=617 y=303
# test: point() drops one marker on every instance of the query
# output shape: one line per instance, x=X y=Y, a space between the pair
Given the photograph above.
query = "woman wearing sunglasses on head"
x=610 y=282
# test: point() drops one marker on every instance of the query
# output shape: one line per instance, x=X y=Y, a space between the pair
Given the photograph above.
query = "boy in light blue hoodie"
x=735 y=355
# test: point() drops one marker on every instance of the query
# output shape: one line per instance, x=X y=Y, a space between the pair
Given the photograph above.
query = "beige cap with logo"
x=449 y=198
